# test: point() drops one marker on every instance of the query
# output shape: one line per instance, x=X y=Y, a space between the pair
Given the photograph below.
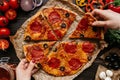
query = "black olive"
x=67 y=14
x=107 y=58
x=41 y=17
x=115 y=56
x=63 y=25
x=89 y=58
x=39 y=65
x=81 y=36
x=55 y=50
x=112 y=59
x=28 y=38
x=116 y=66
x=62 y=68
x=110 y=66
x=45 y=46
x=94 y=29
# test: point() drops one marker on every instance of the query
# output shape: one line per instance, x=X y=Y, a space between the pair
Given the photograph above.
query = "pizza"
x=52 y=38
x=49 y=24
x=37 y=52
x=85 y=30
x=68 y=58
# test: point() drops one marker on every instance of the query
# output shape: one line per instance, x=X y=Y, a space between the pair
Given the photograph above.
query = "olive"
x=112 y=59
x=55 y=50
x=45 y=45
x=94 y=29
x=62 y=68
x=63 y=25
x=116 y=66
x=28 y=38
x=89 y=58
x=67 y=14
x=81 y=36
x=115 y=56
x=39 y=65
x=109 y=65
x=107 y=58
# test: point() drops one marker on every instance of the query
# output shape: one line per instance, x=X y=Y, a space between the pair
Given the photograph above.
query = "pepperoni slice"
x=70 y=48
x=36 y=26
x=54 y=62
x=54 y=17
x=51 y=36
x=88 y=47
x=4 y=44
x=37 y=53
x=58 y=33
x=83 y=24
x=75 y=64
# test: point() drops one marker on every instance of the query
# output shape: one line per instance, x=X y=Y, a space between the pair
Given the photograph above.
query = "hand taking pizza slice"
x=85 y=30
x=37 y=52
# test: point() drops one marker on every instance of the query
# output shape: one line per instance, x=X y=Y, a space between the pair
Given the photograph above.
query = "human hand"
x=24 y=70
x=110 y=19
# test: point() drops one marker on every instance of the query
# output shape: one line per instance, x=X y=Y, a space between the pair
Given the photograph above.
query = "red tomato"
x=3 y=21
x=4 y=5
x=4 y=32
x=4 y=44
x=11 y=14
x=14 y=4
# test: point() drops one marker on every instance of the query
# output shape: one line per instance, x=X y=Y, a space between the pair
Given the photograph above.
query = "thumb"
x=31 y=66
x=100 y=23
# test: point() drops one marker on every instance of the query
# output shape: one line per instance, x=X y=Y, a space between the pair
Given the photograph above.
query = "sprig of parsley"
x=112 y=36
x=116 y=2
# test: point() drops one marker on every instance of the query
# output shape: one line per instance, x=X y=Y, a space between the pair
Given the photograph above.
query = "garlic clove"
x=109 y=73
x=108 y=78
x=102 y=75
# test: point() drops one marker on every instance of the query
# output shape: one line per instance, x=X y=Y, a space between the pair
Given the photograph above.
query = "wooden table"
x=88 y=74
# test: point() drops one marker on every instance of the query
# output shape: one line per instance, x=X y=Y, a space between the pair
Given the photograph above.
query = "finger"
x=34 y=70
x=100 y=23
x=22 y=63
x=30 y=66
x=26 y=65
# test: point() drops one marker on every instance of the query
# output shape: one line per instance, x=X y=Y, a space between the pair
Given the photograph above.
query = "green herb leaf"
x=116 y=2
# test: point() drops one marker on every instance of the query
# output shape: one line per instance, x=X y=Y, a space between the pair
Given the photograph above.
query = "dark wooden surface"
x=88 y=74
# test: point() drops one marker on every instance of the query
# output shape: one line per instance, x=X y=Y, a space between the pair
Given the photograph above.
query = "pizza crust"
x=18 y=39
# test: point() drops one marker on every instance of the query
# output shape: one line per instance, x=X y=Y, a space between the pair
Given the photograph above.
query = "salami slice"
x=54 y=17
x=36 y=26
x=75 y=64
x=58 y=34
x=36 y=53
x=51 y=36
x=88 y=47
x=54 y=62
x=70 y=48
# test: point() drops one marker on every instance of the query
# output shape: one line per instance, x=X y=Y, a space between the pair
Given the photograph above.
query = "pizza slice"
x=38 y=51
x=39 y=29
x=68 y=58
x=85 y=30
x=59 y=19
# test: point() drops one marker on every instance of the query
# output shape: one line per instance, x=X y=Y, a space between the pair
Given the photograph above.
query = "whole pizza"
x=60 y=39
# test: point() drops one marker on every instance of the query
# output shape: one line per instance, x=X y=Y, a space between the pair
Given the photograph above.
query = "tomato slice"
x=11 y=14
x=4 y=44
x=88 y=47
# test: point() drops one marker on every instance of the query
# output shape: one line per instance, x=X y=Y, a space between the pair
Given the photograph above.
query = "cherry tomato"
x=4 y=5
x=14 y=4
x=4 y=44
x=4 y=32
x=3 y=21
x=11 y=14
